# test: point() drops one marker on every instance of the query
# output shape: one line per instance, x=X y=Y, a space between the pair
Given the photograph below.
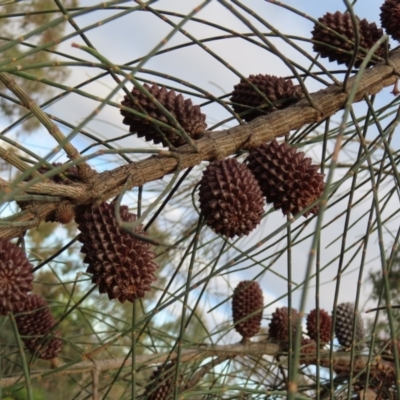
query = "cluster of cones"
x=35 y=323
x=247 y=310
x=232 y=195
x=159 y=115
x=120 y=264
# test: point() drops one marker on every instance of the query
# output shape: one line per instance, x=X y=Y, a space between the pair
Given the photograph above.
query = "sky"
x=136 y=34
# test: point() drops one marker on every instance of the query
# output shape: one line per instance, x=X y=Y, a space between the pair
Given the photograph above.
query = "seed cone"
x=230 y=198
x=390 y=18
x=247 y=299
x=122 y=266
x=162 y=383
x=287 y=179
x=37 y=322
x=369 y=34
x=279 y=91
x=344 y=326
x=15 y=277
x=325 y=326
x=189 y=116
x=279 y=325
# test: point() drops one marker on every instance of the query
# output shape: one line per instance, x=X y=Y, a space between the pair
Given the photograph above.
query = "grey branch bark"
x=214 y=145
x=341 y=361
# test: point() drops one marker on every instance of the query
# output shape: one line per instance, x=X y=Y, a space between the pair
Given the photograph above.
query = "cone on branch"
x=286 y=177
x=344 y=326
x=231 y=200
x=121 y=265
x=279 y=91
x=161 y=383
x=331 y=46
x=188 y=116
x=247 y=299
x=15 y=277
x=36 y=322
x=324 y=329
x=390 y=18
x=279 y=325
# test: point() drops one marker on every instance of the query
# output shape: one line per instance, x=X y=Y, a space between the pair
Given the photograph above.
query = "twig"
x=27 y=102
x=204 y=370
x=340 y=360
x=95 y=384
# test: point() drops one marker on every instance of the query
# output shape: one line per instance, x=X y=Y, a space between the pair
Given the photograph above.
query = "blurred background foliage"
x=18 y=18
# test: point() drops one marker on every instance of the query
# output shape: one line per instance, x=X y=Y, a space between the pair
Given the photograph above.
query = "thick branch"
x=341 y=360
x=220 y=144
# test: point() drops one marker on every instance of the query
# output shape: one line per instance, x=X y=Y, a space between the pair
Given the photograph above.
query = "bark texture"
x=214 y=145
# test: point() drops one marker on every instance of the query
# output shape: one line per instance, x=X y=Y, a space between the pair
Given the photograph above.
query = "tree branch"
x=220 y=144
x=341 y=360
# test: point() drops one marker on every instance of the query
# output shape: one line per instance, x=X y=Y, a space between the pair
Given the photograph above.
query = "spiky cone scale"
x=330 y=46
x=36 y=322
x=280 y=91
x=390 y=18
x=161 y=383
x=308 y=351
x=121 y=265
x=286 y=177
x=325 y=326
x=15 y=277
x=231 y=200
x=344 y=326
x=279 y=325
x=189 y=116
x=247 y=299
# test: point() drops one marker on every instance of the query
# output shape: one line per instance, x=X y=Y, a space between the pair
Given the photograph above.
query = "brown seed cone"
x=161 y=386
x=121 y=265
x=344 y=326
x=36 y=322
x=189 y=116
x=308 y=347
x=231 y=200
x=279 y=325
x=247 y=299
x=280 y=91
x=287 y=179
x=369 y=34
x=325 y=326
x=390 y=18
x=15 y=277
